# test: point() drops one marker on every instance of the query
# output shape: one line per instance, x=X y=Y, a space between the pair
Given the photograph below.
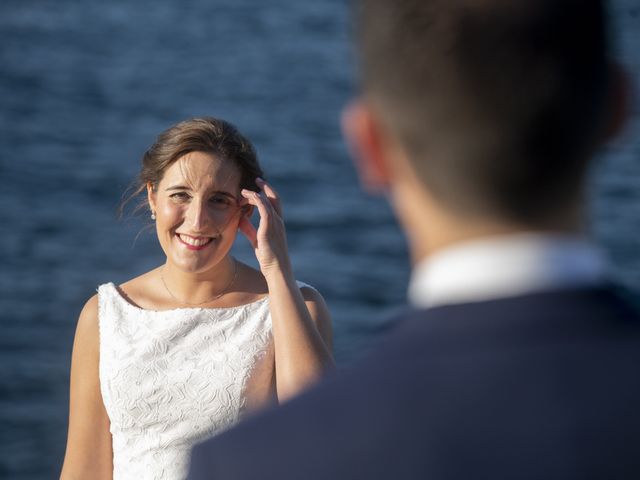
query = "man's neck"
x=430 y=227
x=431 y=241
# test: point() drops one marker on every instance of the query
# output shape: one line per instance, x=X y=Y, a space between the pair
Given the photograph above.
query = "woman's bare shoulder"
x=86 y=337
x=89 y=313
x=141 y=281
x=141 y=290
x=319 y=311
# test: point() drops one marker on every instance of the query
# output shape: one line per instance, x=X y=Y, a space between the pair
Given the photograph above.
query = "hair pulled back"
x=205 y=134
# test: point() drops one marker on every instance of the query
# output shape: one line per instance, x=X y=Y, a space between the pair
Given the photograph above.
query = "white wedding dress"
x=170 y=379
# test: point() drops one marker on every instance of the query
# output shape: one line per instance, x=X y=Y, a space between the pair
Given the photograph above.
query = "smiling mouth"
x=194 y=243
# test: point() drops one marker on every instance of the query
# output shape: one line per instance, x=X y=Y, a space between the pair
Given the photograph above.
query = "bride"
x=180 y=353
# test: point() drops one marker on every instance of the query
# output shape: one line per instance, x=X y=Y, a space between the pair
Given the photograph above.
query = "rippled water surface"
x=84 y=89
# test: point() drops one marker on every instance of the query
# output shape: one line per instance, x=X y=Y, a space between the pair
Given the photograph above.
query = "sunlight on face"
x=197 y=211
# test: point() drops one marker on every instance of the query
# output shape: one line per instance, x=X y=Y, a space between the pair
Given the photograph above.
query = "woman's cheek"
x=171 y=212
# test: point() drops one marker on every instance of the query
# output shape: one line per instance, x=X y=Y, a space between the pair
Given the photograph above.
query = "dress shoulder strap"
x=105 y=291
x=109 y=307
x=107 y=295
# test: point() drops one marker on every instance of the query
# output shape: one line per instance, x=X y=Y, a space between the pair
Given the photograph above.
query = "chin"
x=197 y=265
x=193 y=265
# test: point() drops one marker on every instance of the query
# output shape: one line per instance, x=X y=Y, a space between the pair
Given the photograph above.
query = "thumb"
x=249 y=231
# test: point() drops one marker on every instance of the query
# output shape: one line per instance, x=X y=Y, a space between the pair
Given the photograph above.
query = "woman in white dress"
x=181 y=352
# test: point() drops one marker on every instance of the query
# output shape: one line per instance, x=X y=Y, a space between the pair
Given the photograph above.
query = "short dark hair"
x=498 y=103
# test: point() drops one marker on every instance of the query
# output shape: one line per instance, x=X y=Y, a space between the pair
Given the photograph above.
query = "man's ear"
x=151 y=196
x=364 y=135
x=620 y=98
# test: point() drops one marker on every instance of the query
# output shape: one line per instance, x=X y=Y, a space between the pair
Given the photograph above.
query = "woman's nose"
x=197 y=215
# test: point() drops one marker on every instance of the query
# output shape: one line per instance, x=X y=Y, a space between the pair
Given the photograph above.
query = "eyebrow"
x=184 y=187
x=177 y=187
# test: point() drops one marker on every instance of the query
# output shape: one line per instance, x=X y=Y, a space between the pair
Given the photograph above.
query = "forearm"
x=301 y=355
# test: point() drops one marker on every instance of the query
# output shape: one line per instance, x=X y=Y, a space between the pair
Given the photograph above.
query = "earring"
x=153 y=215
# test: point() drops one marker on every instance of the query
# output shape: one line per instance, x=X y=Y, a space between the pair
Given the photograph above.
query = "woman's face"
x=197 y=210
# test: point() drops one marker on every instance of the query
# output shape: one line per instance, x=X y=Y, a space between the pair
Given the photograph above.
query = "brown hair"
x=498 y=103
x=204 y=134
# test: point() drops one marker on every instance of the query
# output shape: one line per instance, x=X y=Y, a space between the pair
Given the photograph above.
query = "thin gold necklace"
x=215 y=297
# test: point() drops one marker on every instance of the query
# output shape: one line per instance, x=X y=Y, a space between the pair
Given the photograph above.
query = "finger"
x=268 y=205
x=273 y=211
x=250 y=197
x=249 y=231
x=272 y=195
x=265 y=210
x=244 y=206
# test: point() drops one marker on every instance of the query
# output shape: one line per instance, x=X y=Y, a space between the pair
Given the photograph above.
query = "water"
x=84 y=89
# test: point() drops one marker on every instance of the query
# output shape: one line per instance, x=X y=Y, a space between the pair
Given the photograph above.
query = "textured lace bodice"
x=170 y=379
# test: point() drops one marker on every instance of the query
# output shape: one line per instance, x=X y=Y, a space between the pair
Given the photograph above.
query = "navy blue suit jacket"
x=543 y=386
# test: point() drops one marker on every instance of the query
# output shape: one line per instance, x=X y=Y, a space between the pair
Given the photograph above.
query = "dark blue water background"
x=85 y=86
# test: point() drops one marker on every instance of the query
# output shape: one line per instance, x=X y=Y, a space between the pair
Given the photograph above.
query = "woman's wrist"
x=276 y=274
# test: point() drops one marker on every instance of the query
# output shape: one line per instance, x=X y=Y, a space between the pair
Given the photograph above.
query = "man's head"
x=497 y=104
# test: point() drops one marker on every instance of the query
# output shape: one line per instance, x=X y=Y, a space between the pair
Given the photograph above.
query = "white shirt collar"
x=502 y=267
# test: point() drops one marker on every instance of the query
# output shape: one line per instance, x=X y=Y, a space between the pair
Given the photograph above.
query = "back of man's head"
x=498 y=104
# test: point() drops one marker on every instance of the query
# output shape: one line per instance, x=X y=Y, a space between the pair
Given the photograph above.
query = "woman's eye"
x=180 y=196
x=220 y=201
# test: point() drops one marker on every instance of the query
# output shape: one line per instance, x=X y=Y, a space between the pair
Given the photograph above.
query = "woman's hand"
x=269 y=241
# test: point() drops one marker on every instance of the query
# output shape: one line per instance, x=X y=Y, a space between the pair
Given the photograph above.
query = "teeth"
x=196 y=242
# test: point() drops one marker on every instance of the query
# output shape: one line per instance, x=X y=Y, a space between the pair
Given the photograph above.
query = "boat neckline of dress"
x=122 y=296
